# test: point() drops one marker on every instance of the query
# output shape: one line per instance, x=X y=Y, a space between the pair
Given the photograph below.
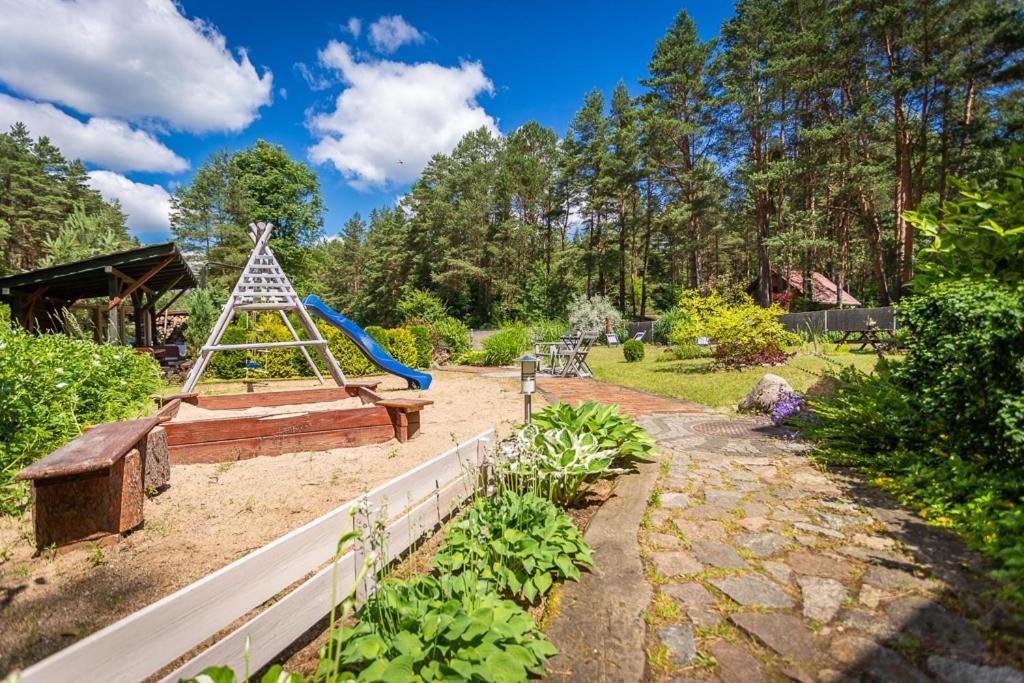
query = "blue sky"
x=364 y=92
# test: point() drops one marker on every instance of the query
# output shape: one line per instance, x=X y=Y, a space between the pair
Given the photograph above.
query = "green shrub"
x=351 y=360
x=51 y=386
x=633 y=350
x=401 y=345
x=663 y=326
x=276 y=363
x=520 y=543
x=741 y=333
x=475 y=358
x=868 y=415
x=203 y=310
x=505 y=345
x=229 y=364
x=424 y=347
x=378 y=334
x=965 y=368
x=980 y=236
x=593 y=314
x=615 y=431
x=548 y=330
x=437 y=628
x=419 y=306
x=451 y=338
x=943 y=429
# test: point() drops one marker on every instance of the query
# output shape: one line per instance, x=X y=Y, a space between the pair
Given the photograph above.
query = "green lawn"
x=694 y=380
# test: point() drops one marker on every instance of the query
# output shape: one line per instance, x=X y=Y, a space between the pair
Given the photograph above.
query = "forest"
x=800 y=139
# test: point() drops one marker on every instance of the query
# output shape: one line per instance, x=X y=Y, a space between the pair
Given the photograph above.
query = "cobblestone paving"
x=764 y=568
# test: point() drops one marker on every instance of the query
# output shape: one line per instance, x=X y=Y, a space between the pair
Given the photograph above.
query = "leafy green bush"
x=965 y=368
x=351 y=360
x=451 y=338
x=520 y=543
x=229 y=364
x=51 y=386
x=741 y=333
x=438 y=628
x=401 y=345
x=505 y=345
x=664 y=325
x=633 y=350
x=625 y=437
x=203 y=310
x=943 y=429
x=419 y=306
x=593 y=314
x=980 y=236
x=424 y=347
x=378 y=334
x=280 y=362
x=548 y=330
x=475 y=358
x=867 y=415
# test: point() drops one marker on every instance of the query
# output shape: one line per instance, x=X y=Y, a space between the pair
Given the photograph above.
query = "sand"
x=187 y=411
x=213 y=514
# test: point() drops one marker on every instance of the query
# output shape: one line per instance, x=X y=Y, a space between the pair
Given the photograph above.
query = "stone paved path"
x=764 y=568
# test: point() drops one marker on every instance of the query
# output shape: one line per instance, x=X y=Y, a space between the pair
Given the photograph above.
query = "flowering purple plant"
x=789 y=405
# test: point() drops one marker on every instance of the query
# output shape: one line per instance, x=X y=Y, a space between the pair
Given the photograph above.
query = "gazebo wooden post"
x=137 y=318
x=113 y=290
x=97 y=323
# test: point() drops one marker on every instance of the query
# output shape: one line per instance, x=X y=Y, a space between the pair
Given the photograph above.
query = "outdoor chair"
x=639 y=336
x=573 y=360
x=612 y=338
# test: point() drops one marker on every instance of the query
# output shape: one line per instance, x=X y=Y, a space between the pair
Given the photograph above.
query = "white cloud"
x=387 y=34
x=148 y=207
x=393 y=117
x=131 y=59
x=105 y=142
x=315 y=81
x=354 y=26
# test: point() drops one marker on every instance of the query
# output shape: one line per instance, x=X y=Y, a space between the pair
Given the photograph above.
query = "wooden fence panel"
x=148 y=640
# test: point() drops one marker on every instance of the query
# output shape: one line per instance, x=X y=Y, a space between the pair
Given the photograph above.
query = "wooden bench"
x=405 y=415
x=92 y=489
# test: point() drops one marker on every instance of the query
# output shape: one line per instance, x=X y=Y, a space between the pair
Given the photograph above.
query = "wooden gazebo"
x=140 y=276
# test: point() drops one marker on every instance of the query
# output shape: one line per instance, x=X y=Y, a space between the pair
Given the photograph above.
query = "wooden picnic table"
x=875 y=338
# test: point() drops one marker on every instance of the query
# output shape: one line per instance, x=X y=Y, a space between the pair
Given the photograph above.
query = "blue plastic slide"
x=370 y=348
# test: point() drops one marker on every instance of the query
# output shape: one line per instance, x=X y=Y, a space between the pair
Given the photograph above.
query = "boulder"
x=765 y=394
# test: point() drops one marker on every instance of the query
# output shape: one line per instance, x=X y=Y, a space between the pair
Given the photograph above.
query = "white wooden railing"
x=149 y=640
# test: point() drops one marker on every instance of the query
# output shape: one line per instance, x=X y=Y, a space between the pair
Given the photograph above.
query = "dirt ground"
x=212 y=514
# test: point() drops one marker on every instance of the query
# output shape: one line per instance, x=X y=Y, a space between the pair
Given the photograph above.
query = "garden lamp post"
x=528 y=377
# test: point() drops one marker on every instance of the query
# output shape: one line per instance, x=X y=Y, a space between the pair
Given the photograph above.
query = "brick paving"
x=630 y=401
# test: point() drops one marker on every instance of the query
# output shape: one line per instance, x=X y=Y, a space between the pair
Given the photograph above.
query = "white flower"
x=61 y=385
x=59 y=371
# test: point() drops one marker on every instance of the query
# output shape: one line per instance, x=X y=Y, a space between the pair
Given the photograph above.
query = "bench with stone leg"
x=92 y=489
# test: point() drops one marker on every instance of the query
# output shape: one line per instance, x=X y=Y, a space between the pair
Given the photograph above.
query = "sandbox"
x=231 y=427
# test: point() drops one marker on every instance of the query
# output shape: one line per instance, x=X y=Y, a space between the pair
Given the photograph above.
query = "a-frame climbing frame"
x=263 y=286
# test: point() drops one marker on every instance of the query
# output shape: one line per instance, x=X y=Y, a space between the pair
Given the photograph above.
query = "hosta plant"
x=437 y=628
x=555 y=464
x=225 y=674
x=520 y=543
x=612 y=430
